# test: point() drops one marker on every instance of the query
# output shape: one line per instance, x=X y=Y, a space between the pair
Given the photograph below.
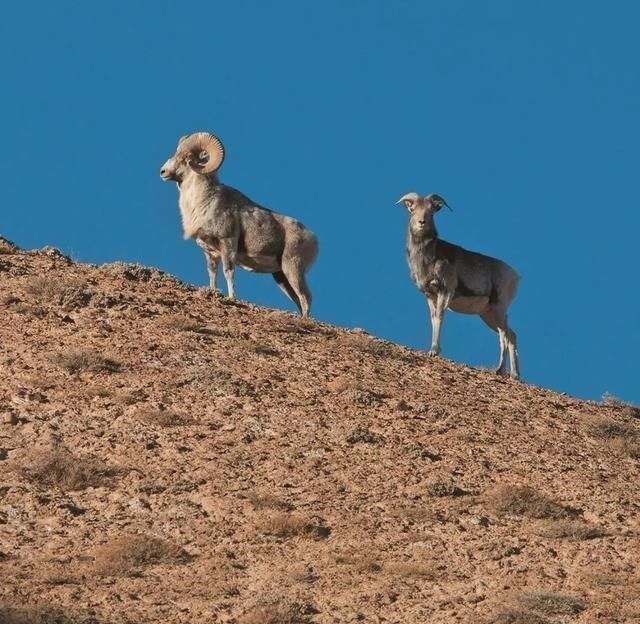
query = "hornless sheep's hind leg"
x=513 y=353
x=284 y=285
x=490 y=319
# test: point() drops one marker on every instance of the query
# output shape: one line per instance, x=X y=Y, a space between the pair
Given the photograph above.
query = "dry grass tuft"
x=552 y=603
x=264 y=500
x=285 y=525
x=571 y=529
x=442 y=487
x=610 y=429
x=539 y=607
x=621 y=437
x=364 y=435
x=179 y=323
x=524 y=501
x=77 y=361
x=413 y=570
x=163 y=418
x=123 y=556
x=60 y=468
x=66 y=292
x=36 y=615
x=362 y=563
x=281 y=611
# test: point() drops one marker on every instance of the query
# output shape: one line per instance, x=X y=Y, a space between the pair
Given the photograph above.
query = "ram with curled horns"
x=232 y=228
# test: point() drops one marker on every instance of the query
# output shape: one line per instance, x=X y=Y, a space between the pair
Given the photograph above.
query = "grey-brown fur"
x=232 y=228
x=461 y=280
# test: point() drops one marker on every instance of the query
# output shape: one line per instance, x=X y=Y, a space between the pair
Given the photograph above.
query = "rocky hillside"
x=169 y=456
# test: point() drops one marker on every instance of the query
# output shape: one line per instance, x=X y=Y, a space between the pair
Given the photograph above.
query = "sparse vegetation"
x=362 y=563
x=282 y=611
x=264 y=500
x=444 y=487
x=621 y=437
x=285 y=525
x=77 y=361
x=539 y=608
x=60 y=468
x=163 y=418
x=123 y=556
x=412 y=570
x=364 y=435
x=571 y=529
x=524 y=501
x=37 y=615
x=63 y=291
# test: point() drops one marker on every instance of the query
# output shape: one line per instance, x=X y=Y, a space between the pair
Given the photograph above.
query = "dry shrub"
x=60 y=468
x=626 y=447
x=77 y=361
x=610 y=429
x=7 y=246
x=537 y=607
x=571 y=529
x=551 y=603
x=163 y=418
x=515 y=500
x=179 y=323
x=264 y=500
x=367 y=344
x=124 y=555
x=282 y=611
x=342 y=383
x=412 y=570
x=442 y=487
x=286 y=525
x=362 y=563
x=65 y=292
x=36 y=615
x=365 y=436
x=515 y=615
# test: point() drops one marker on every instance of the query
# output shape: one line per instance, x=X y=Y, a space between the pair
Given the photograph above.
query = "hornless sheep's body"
x=232 y=228
x=458 y=279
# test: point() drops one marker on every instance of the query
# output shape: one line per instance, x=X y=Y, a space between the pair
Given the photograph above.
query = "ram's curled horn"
x=437 y=201
x=206 y=152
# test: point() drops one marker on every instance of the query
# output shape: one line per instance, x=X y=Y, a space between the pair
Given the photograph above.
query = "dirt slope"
x=169 y=456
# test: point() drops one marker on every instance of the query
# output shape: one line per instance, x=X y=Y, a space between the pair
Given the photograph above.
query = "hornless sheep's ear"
x=205 y=152
x=437 y=201
x=409 y=200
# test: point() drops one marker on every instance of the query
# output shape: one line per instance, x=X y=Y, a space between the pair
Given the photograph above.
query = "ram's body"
x=232 y=228
x=461 y=280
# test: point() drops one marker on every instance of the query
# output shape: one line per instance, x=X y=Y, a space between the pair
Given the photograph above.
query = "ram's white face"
x=175 y=168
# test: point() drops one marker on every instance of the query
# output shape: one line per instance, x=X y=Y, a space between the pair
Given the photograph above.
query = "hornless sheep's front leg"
x=437 y=309
x=228 y=255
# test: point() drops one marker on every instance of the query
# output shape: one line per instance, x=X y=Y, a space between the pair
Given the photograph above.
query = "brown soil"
x=170 y=456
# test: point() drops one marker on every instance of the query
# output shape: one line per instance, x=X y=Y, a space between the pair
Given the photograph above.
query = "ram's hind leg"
x=294 y=272
x=228 y=255
x=283 y=283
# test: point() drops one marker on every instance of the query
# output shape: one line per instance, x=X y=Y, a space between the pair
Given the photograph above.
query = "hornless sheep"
x=232 y=228
x=458 y=279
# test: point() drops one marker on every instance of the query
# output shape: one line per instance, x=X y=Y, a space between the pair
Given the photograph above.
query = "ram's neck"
x=196 y=198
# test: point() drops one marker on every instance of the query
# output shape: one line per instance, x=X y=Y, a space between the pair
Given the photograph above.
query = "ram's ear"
x=437 y=201
x=409 y=200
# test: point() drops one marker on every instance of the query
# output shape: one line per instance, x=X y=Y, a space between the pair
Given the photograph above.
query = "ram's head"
x=201 y=152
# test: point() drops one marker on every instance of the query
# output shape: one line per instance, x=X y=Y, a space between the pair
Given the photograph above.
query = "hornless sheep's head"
x=200 y=152
x=422 y=209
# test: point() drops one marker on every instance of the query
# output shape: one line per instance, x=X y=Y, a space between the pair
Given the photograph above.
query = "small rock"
x=228 y=427
x=10 y=418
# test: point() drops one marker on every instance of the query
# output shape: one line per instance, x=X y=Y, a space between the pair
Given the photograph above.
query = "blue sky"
x=524 y=116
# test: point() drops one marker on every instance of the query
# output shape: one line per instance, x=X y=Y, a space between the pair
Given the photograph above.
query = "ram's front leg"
x=228 y=255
